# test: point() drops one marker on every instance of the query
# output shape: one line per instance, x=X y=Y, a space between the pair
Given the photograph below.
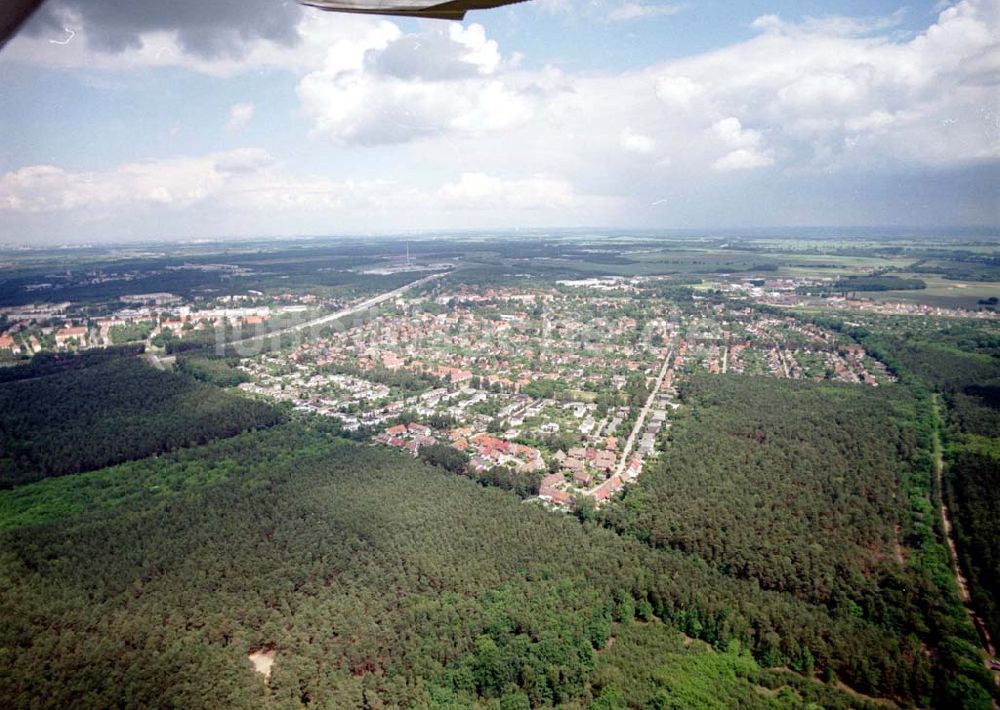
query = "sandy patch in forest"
x=262 y=661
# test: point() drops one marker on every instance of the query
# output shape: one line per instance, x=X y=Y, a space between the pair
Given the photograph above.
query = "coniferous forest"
x=79 y=419
x=783 y=548
x=954 y=368
x=961 y=364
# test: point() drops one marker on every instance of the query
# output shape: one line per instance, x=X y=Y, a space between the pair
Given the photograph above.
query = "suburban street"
x=640 y=422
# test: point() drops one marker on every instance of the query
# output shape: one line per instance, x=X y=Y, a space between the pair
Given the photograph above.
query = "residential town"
x=154 y=318
x=571 y=386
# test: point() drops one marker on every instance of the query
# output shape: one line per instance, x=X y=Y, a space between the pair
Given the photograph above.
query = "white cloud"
x=830 y=25
x=241 y=161
x=732 y=133
x=826 y=94
x=466 y=122
x=248 y=181
x=637 y=143
x=173 y=183
x=407 y=87
x=745 y=146
x=375 y=110
x=678 y=92
x=830 y=96
x=438 y=53
x=742 y=159
x=635 y=11
x=239 y=116
x=482 y=53
x=480 y=191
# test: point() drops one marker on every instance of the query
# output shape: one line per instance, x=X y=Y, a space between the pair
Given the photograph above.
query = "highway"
x=349 y=311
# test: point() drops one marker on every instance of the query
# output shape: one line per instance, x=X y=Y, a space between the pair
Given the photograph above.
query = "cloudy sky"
x=138 y=119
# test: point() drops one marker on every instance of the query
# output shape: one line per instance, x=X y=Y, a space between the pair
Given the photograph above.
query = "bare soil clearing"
x=262 y=661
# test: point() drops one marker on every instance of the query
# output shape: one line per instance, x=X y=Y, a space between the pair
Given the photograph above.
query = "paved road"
x=640 y=422
x=351 y=310
x=781 y=358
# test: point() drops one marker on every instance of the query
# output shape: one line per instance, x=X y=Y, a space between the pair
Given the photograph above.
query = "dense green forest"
x=82 y=418
x=879 y=282
x=962 y=363
x=971 y=484
x=762 y=475
x=959 y=360
x=378 y=580
x=884 y=282
x=818 y=490
x=46 y=363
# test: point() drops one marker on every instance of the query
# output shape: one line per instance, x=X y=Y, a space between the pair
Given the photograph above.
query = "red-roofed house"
x=547 y=488
x=64 y=335
x=7 y=343
x=419 y=429
x=391 y=361
x=453 y=374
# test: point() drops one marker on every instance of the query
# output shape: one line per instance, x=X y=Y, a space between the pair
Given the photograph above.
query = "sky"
x=145 y=119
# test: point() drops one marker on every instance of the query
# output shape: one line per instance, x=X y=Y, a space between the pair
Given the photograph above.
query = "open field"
x=942 y=292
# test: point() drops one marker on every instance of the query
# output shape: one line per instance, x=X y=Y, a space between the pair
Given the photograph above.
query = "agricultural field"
x=947 y=293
